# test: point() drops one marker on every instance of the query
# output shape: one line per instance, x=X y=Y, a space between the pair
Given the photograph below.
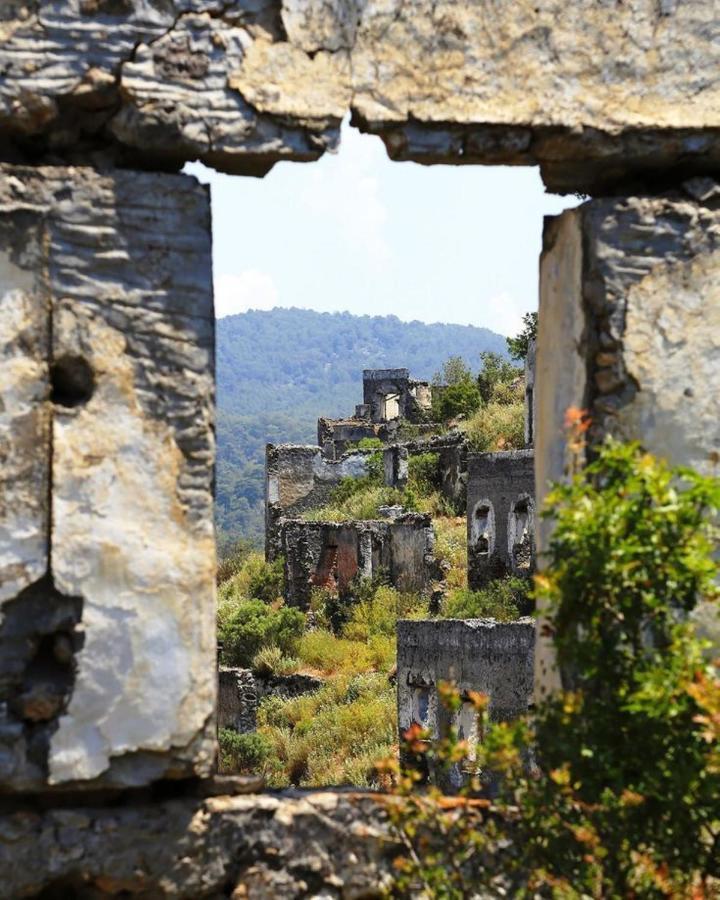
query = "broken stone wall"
x=241 y=86
x=107 y=552
x=390 y=394
x=237 y=700
x=477 y=655
x=500 y=515
x=629 y=325
x=451 y=474
x=136 y=85
x=299 y=478
x=530 y=394
x=333 y=555
x=241 y=690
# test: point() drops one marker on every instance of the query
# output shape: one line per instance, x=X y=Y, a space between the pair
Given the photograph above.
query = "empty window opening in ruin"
x=393 y=250
x=468 y=729
x=390 y=407
x=326 y=576
x=421 y=706
x=520 y=534
x=482 y=535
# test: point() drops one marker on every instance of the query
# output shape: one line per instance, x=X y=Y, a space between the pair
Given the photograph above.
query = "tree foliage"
x=518 y=346
x=455 y=391
x=621 y=794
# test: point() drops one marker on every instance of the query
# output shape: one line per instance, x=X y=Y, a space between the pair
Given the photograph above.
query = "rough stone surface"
x=530 y=394
x=477 y=655
x=241 y=690
x=299 y=478
x=107 y=621
x=237 y=700
x=243 y=84
x=500 y=515
x=629 y=329
x=332 y=555
x=258 y=846
x=451 y=471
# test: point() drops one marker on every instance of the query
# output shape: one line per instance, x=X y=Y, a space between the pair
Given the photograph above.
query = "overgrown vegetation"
x=504 y=599
x=518 y=346
x=621 y=796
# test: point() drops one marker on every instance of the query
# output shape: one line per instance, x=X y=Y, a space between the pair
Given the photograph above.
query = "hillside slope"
x=278 y=371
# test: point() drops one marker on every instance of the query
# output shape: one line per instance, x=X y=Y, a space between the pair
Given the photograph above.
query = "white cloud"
x=344 y=189
x=250 y=289
x=502 y=313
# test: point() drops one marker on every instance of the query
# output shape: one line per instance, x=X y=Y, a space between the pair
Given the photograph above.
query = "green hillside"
x=278 y=371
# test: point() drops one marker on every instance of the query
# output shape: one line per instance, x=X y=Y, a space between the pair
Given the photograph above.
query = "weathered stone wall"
x=451 y=474
x=477 y=655
x=412 y=398
x=333 y=845
x=530 y=394
x=299 y=478
x=629 y=325
x=242 y=85
x=241 y=690
x=500 y=515
x=237 y=700
x=107 y=559
x=333 y=554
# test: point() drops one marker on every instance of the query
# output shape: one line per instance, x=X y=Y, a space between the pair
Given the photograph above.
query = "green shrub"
x=255 y=579
x=504 y=599
x=622 y=797
x=423 y=474
x=272 y=661
x=252 y=625
x=497 y=426
x=455 y=392
x=243 y=753
x=232 y=559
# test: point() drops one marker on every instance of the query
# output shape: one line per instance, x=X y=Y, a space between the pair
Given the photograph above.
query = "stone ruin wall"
x=478 y=655
x=335 y=555
x=93 y=530
x=299 y=478
x=500 y=515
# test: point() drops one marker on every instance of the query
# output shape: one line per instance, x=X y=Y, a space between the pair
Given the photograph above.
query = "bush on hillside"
x=504 y=599
x=251 y=625
x=497 y=426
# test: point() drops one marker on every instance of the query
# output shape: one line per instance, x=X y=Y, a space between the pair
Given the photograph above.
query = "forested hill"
x=278 y=371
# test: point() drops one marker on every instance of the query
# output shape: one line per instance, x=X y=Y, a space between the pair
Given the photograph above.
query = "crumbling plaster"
x=109 y=275
x=242 y=84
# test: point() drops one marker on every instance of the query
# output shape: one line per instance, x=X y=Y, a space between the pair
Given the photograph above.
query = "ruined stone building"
x=108 y=687
x=477 y=655
x=500 y=515
x=391 y=399
x=334 y=555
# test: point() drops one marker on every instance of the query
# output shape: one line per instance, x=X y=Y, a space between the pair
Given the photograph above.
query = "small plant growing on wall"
x=620 y=796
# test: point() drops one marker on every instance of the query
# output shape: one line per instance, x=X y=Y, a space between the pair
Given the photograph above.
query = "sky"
x=356 y=232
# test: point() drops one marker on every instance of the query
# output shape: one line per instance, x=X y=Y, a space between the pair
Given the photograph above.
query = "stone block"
x=237 y=700
x=107 y=643
x=500 y=515
x=242 y=85
x=630 y=328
